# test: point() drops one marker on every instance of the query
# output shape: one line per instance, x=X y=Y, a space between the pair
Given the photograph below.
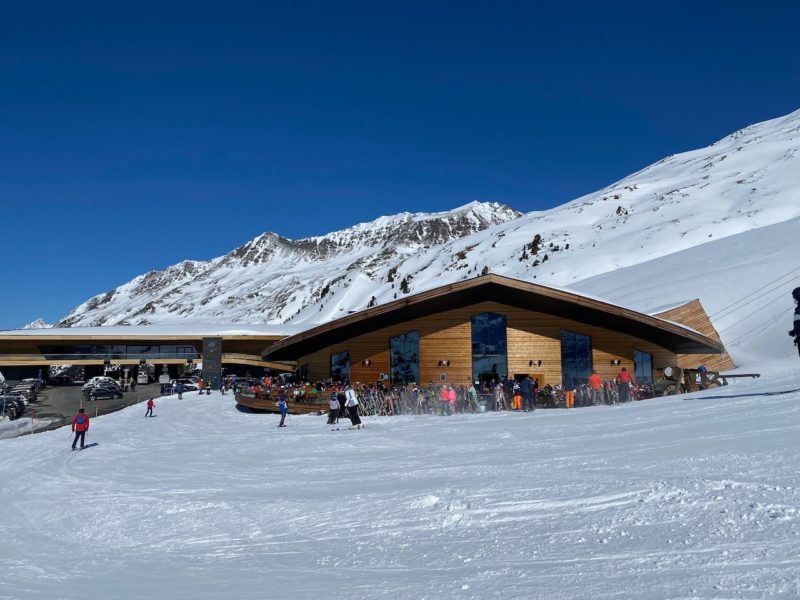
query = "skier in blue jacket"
x=283 y=407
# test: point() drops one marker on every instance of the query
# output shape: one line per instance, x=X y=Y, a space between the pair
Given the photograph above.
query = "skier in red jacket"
x=150 y=405
x=80 y=425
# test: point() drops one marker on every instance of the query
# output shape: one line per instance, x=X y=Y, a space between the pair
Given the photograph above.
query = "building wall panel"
x=531 y=336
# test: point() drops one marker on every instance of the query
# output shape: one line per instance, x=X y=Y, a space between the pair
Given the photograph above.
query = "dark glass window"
x=576 y=358
x=643 y=366
x=404 y=357
x=489 y=347
x=340 y=366
x=114 y=351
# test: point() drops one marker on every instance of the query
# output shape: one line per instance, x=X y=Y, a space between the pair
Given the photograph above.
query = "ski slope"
x=695 y=496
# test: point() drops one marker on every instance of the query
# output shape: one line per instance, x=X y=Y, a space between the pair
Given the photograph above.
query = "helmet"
x=796 y=293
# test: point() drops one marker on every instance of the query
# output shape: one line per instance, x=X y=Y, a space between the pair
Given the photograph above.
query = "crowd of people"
x=525 y=395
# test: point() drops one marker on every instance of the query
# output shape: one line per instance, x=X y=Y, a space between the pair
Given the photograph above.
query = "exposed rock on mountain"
x=746 y=181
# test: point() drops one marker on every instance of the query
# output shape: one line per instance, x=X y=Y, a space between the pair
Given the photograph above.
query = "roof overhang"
x=504 y=290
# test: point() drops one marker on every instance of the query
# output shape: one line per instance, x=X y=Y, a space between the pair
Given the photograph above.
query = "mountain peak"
x=743 y=182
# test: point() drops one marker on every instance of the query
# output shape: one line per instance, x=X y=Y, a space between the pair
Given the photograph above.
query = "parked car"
x=63 y=380
x=13 y=405
x=27 y=392
x=8 y=410
x=99 y=379
x=35 y=381
x=188 y=384
x=103 y=391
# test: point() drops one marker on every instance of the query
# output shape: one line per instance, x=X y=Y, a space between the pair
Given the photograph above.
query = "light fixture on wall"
x=366 y=362
x=615 y=362
x=444 y=363
x=538 y=363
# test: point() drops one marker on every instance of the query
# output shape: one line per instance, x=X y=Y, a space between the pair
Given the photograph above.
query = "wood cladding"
x=693 y=315
x=447 y=336
x=503 y=290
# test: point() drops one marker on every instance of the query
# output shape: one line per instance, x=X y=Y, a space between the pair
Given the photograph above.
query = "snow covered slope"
x=683 y=497
x=744 y=282
x=743 y=182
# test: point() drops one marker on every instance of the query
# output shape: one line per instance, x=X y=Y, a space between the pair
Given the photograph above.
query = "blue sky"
x=132 y=138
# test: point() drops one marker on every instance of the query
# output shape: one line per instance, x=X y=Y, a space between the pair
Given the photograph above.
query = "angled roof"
x=505 y=290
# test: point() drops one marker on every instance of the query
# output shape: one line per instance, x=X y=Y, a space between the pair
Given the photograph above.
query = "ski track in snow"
x=687 y=497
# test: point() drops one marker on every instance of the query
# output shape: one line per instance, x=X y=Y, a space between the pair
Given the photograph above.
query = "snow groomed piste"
x=685 y=497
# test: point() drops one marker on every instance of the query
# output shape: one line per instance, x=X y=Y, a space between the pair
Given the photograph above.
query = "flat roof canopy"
x=504 y=290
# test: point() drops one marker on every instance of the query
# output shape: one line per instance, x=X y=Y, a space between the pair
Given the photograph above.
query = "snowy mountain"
x=744 y=182
x=273 y=279
x=38 y=324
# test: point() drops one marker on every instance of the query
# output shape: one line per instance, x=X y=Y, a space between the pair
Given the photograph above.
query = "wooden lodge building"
x=484 y=328
x=491 y=327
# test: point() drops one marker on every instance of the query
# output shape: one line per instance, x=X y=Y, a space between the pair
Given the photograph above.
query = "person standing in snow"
x=283 y=407
x=333 y=412
x=795 y=332
x=150 y=405
x=569 y=391
x=624 y=382
x=351 y=403
x=80 y=425
x=595 y=387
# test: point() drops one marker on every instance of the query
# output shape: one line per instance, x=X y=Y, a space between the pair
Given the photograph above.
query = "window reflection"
x=404 y=357
x=340 y=366
x=576 y=358
x=489 y=347
x=643 y=366
x=117 y=352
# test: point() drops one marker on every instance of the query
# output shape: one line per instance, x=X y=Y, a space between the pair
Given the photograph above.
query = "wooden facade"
x=693 y=315
x=447 y=336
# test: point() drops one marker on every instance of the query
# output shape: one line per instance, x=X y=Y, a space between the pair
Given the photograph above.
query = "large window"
x=489 y=347
x=340 y=366
x=643 y=366
x=404 y=357
x=576 y=358
x=117 y=352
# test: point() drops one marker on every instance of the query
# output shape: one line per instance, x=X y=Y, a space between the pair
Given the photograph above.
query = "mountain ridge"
x=744 y=181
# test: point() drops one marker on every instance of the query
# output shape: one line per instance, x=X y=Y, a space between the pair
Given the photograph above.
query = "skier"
x=795 y=332
x=351 y=403
x=451 y=399
x=569 y=391
x=150 y=405
x=526 y=390
x=596 y=386
x=283 y=407
x=80 y=425
x=333 y=414
x=624 y=382
x=516 y=395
